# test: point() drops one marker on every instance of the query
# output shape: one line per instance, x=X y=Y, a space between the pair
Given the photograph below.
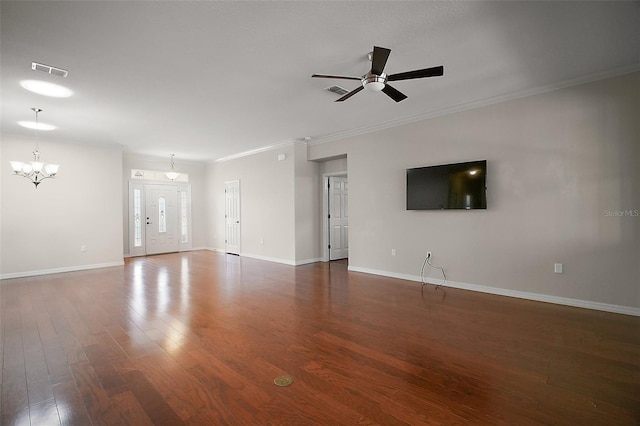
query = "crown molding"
x=262 y=149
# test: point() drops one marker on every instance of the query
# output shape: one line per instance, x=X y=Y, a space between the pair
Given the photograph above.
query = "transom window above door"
x=156 y=175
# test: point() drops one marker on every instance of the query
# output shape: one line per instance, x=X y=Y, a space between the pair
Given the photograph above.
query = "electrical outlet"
x=393 y=252
x=557 y=268
x=83 y=248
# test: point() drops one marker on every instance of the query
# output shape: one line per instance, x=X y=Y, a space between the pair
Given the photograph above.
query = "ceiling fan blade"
x=394 y=94
x=427 y=72
x=379 y=59
x=343 y=77
x=350 y=94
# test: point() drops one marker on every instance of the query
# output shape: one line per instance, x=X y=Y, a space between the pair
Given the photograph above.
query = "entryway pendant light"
x=35 y=170
x=172 y=175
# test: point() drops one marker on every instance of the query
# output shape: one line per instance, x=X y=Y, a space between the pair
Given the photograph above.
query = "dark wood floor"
x=198 y=338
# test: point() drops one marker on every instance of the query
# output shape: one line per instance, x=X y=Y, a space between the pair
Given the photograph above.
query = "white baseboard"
x=271 y=259
x=127 y=255
x=217 y=250
x=618 y=309
x=283 y=261
x=308 y=261
x=268 y=259
x=59 y=270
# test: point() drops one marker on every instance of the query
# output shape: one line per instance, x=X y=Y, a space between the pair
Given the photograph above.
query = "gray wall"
x=559 y=164
x=336 y=165
x=267 y=205
x=280 y=215
x=307 y=204
x=44 y=228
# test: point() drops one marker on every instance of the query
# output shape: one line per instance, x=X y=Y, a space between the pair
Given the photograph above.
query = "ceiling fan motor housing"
x=373 y=82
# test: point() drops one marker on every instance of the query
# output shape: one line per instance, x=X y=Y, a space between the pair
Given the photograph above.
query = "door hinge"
x=329 y=216
x=329 y=246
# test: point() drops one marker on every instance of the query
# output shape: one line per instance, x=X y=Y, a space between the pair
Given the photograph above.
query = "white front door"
x=232 y=216
x=161 y=219
x=338 y=218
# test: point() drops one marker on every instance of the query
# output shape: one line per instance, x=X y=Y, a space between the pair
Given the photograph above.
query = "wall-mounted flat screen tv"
x=448 y=186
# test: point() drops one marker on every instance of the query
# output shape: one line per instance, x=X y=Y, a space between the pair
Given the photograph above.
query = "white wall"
x=307 y=207
x=336 y=165
x=43 y=229
x=197 y=179
x=267 y=204
x=557 y=162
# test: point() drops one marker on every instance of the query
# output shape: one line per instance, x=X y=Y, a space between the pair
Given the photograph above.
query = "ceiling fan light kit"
x=374 y=83
x=377 y=81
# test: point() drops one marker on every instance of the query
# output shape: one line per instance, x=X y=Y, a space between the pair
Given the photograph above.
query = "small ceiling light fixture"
x=35 y=170
x=46 y=89
x=172 y=175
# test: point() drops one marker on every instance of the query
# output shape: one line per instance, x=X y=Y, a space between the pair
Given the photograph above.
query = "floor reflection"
x=163 y=290
x=185 y=286
x=160 y=295
x=139 y=301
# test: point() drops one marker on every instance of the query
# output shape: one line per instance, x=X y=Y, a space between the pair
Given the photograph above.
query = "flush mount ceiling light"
x=172 y=175
x=46 y=89
x=35 y=170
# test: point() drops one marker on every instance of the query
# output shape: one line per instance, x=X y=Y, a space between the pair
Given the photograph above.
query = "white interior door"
x=232 y=216
x=338 y=218
x=161 y=219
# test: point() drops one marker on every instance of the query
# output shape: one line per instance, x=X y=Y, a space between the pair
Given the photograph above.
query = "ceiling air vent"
x=49 y=69
x=338 y=90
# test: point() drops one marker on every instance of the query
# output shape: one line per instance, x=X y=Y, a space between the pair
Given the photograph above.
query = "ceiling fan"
x=376 y=80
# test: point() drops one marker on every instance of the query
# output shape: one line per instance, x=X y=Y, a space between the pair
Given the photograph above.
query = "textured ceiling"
x=206 y=80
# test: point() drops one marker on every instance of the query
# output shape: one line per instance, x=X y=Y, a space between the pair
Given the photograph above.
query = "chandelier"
x=35 y=170
x=172 y=175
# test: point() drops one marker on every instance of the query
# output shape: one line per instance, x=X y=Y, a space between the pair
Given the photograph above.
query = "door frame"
x=142 y=186
x=325 y=212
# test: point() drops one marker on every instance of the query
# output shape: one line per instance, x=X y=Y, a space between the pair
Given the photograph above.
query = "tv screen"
x=448 y=186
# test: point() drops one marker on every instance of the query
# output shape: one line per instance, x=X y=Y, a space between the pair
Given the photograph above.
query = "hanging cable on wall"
x=427 y=261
